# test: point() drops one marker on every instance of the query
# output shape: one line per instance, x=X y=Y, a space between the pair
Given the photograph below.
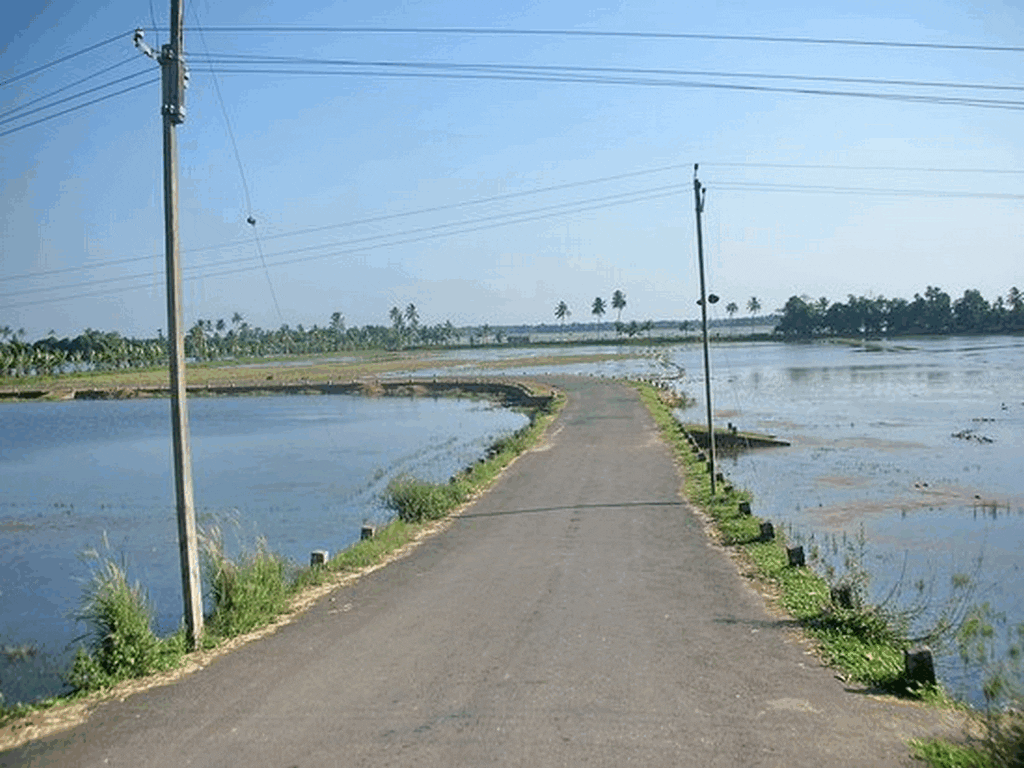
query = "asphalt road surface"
x=575 y=615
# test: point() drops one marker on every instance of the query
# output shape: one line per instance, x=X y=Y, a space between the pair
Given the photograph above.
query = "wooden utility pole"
x=698 y=193
x=173 y=110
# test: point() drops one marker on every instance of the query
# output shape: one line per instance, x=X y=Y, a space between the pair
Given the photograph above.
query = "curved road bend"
x=575 y=615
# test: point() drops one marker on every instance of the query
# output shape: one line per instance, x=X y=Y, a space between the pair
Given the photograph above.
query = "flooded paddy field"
x=907 y=455
x=303 y=472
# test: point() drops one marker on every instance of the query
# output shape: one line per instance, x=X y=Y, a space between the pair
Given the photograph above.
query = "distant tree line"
x=207 y=340
x=934 y=313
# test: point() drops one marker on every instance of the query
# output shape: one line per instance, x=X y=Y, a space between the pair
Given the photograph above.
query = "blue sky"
x=81 y=219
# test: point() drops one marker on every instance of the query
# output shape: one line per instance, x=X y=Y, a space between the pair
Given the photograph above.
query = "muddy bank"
x=509 y=393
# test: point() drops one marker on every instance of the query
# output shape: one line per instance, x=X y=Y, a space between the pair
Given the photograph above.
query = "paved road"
x=576 y=615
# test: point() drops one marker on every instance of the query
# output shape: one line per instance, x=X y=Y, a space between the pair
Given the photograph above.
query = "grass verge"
x=859 y=641
x=864 y=642
x=942 y=754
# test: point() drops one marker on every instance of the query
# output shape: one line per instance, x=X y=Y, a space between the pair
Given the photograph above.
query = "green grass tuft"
x=941 y=754
x=121 y=642
x=247 y=593
x=417 y=501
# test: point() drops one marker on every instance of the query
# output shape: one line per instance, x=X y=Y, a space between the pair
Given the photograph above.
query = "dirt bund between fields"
x=509 y=393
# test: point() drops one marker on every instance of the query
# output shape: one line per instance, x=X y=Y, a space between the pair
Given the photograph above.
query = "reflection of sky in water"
x=873 y=445
x=304 y=472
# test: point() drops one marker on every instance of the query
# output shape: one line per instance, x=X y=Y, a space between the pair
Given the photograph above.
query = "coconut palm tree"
x=753 y=306
x=598 y=308
x=1015 y=300
x=619 y=303
x=397 y=320
x=397 y=326
x=412 y=316
x=562 y=311
x=731 y=309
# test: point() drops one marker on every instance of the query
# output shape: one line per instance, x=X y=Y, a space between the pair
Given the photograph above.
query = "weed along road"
x=574 y=615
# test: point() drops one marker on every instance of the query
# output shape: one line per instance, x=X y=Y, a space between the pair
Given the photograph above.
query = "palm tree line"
x=209 y=340
x=599 y=307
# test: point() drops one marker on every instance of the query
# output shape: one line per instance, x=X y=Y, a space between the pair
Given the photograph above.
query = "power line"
x=621 y=34
x=357 y=245
x=54 y=92
x=435 y=230
x=9 y=131
x=832 y=167
x=817 y=189
x=233 y=64
x=62 y=59
x=636 y=81
x=23 y=113
x=723 y=184
x=152 y=16
x=450 y=229
x=371 y=219
x=222 y=59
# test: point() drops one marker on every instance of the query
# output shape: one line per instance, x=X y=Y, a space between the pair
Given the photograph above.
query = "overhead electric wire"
x=63 y=88
x=632 y=81
x=357 y=245
x=722 y=185
x=233 y=64
x=449 y=229
x=230 y=59
x=62 y=59
x=25 y=113
x=836 y=167
x=350 y=251
x=369 y=220
x=620 y=34
x=879 y=191
x=75 y=108
x=156 y=29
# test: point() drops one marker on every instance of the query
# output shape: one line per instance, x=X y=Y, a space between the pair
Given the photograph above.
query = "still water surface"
x=918 y=446
x=304 y=472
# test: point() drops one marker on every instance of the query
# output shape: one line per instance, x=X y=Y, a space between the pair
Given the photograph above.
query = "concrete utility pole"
x=698 y=193
x=172 y=108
